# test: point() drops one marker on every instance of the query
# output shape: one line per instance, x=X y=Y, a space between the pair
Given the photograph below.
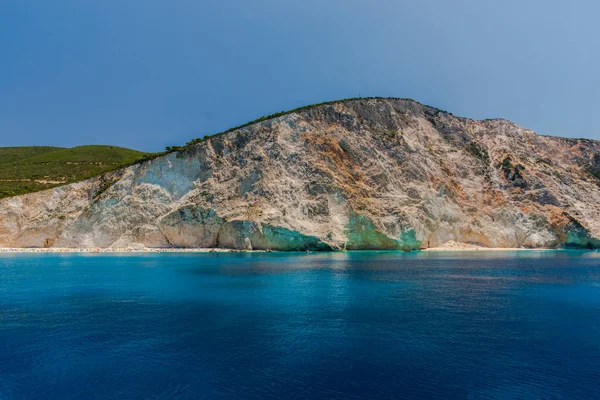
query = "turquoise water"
x=278 y=326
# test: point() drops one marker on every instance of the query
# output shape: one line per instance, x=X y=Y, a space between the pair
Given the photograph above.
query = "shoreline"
x=94 y=250
x=14 y=250
x=453 y=245
x=489 y=249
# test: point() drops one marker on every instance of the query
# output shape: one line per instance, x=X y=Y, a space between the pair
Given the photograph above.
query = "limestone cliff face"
x=359 y=174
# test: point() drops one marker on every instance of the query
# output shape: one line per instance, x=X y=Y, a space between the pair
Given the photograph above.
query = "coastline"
x=12 y=250
x=486 y=249
x=93 y=250
x=458 y=246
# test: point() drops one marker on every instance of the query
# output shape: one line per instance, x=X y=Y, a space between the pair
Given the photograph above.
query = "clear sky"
x=150 y=73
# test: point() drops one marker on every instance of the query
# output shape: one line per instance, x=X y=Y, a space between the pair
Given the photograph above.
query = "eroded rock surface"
x=358 y=174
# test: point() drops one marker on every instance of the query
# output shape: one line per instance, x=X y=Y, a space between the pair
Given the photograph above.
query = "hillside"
x=355 y=174
x=31 y=169
x=14 y=154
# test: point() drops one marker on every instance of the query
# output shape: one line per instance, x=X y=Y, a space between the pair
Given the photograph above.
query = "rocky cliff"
x=355 y=174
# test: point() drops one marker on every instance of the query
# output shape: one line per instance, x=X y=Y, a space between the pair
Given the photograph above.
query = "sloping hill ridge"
x=34 y=168
x=356 y=174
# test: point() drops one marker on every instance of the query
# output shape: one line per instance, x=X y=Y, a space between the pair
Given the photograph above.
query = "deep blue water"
x=286 y=326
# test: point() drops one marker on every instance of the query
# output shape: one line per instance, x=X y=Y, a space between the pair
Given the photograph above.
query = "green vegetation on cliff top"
x=34 y=168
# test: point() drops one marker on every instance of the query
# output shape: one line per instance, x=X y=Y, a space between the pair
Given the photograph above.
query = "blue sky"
x=150 y=73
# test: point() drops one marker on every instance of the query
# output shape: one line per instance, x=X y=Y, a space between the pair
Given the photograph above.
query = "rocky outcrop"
x=357 y=174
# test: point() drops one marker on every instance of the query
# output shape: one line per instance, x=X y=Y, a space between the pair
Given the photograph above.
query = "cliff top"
x=33 y=168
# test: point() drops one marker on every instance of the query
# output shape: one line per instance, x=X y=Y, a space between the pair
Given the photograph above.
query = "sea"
x=353 y=325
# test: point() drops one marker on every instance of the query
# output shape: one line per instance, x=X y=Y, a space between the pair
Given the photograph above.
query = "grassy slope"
x=13 y=154
x=26 y=165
